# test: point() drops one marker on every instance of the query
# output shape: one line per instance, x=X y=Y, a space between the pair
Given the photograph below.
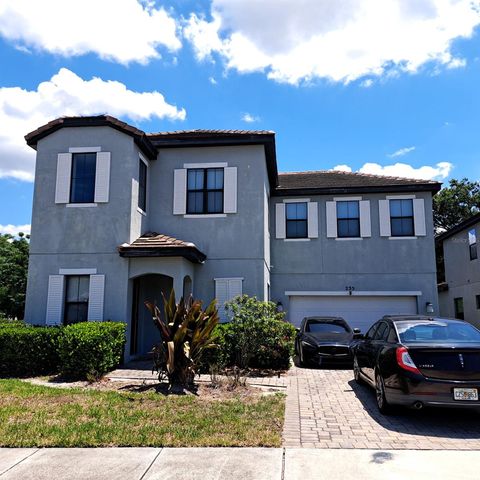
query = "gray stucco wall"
x=370 y=264
x=234 y=244
x=462 y=276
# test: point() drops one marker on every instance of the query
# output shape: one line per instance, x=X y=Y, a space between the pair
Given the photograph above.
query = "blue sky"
x=385 y=87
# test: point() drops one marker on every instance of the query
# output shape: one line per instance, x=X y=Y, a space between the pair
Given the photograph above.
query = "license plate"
x=465 y=394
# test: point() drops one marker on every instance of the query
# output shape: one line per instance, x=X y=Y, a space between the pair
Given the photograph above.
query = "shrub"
x=88 y=350
x=27 y=350
x=257 y=336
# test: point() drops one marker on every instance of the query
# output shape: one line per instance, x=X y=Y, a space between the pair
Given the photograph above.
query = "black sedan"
x=322 y=340
x=419 y=361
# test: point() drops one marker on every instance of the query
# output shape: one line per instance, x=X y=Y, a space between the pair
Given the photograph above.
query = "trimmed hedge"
x=276 y=345
x=27 y=350
x=91 y=349
x=83 y=351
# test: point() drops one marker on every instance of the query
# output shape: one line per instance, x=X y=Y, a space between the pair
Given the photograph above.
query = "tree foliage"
x=455 y=203
x=13 y=274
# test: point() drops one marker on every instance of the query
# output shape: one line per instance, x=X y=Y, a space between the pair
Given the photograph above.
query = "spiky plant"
x=186 y=332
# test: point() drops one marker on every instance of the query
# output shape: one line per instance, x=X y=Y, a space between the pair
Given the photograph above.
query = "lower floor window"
x=458 y=304
x=76 y=299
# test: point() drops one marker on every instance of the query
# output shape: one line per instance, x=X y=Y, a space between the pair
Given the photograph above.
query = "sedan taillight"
x=405 y=361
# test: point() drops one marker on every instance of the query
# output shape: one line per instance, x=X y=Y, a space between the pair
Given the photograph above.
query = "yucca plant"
x=186 y=332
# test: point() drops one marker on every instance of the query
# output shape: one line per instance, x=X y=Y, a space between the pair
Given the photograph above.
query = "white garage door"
x=359 y=311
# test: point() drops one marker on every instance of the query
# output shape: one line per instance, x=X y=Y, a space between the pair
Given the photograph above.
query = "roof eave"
x=190 y=253
x=469 y=222
x=429 y=187
x=140 y=138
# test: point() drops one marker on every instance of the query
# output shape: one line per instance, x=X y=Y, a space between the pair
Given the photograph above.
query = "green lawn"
x=40 y=416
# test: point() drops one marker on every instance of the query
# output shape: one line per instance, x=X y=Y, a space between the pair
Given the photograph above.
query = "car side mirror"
x=356 y=330
x=297 y=329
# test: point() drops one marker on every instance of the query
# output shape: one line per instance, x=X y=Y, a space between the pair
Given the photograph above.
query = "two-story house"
x=120 y=216
x=459 y=295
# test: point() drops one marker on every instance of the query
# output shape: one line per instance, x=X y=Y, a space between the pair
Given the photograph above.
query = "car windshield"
x=437 y=332
x=317 y=326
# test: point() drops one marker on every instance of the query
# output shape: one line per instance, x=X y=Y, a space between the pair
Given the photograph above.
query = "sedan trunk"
x=447 y=363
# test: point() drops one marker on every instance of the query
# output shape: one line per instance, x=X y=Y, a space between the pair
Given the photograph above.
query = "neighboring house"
x=120 y=215
x=459 y=295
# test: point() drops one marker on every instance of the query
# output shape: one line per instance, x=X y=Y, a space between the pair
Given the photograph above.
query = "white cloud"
x=15 y=229
x=401 y=152
x=340 y=41
x=367 y=83
x=342 y=168
x=212 y=80
x=66 y=94
x=123 y=31
x=249 y=118
x=438 y=171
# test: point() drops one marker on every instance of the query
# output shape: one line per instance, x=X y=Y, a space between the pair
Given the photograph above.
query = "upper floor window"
x=76 y=299
x=472 y=244
x=205 y=190
x=348 y=219
x=296 y=220
x=401 y=218
x=142 y=185
x=82 y=185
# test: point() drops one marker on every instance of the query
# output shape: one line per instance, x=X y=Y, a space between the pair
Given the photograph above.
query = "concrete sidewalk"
x=235 y=463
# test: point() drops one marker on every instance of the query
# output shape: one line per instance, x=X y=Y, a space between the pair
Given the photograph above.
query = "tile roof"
x=207 y=132
x=334 y=180
x=153 y=244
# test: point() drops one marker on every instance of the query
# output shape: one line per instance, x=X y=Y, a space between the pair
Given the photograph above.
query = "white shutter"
x=234 y=288
x=180 y=191
x=64 y=171
x=365 y=223
x=331 y=216
x=95 y=298
x=280 y=224
x=384 y=218
x=230 y=189
x=221 y=294
x=419 y=217
x=225 y=290
x=56 y=285
x=312 y=219
x=102 y=177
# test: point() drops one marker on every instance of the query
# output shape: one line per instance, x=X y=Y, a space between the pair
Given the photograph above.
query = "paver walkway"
x=327 y=409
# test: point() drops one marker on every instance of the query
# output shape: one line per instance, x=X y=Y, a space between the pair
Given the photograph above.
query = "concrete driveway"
x=327 y=409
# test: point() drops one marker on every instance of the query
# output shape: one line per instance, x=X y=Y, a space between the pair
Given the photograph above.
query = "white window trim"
x=84 y=149
x=402 y=238
x=142 y=212
x=347 y=199
x=364 y=293
x=81 y=205
x=348 y=239
x=229 y=278
x=205 y=215
x=205 y=165
x=77 y=271
x=296 y=200
x=143 y=159
x=400 y=197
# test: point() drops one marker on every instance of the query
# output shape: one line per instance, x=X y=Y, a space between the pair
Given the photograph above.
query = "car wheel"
x=383 y=406
x=356 y=371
